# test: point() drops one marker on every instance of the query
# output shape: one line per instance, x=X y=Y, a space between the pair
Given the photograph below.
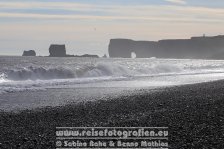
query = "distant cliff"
x=29 y=53
x=194 y=48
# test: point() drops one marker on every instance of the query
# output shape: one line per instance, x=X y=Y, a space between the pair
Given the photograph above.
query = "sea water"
x=32 y=74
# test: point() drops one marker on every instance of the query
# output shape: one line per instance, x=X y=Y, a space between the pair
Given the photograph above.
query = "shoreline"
x=194 y=114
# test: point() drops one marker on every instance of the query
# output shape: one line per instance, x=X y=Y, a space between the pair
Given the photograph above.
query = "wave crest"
x=86 y=71
x=33 y=73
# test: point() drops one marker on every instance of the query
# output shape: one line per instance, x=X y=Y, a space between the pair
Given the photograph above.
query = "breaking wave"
x=98 y=70
x=63 y=76
x=32 y=73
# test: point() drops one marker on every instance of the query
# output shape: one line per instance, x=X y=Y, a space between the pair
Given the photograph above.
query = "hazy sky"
x=86 y=26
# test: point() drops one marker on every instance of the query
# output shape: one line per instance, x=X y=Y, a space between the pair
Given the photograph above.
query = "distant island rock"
x=29 y=53
x=57 y=50
x=87 y=55
x=194 y=48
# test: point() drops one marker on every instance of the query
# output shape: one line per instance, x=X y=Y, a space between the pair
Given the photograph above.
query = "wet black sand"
x=193 y=113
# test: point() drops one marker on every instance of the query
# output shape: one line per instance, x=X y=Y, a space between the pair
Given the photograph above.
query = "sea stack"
x=29 y=53
x=57 y=50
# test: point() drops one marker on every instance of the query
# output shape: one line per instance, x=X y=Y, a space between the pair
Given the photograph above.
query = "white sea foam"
x=40 y=77
x=98 y=70
x=34 y=73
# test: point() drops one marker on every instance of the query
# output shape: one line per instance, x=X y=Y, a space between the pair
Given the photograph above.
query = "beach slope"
x=193 y=113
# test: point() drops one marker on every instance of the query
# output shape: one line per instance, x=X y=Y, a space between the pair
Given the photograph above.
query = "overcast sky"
x=86 y=26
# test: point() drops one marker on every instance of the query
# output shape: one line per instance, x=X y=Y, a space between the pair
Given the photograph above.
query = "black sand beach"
x=193 y=113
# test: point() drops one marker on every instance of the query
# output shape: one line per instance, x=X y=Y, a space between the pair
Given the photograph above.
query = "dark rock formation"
x=57 y=50
x=60 y=51
x=87 y=55
x=194 y=48
x=29 y=53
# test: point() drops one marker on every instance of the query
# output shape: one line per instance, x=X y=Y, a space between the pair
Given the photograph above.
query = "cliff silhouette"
x=193 y=48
